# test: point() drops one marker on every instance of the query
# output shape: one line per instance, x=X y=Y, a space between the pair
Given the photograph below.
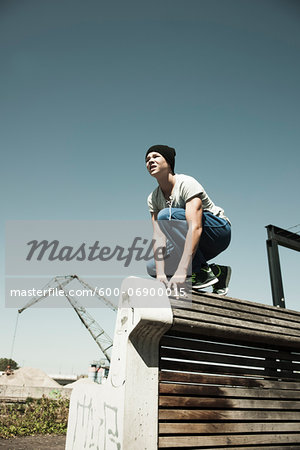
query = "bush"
x=4 y=362
x=42 y=416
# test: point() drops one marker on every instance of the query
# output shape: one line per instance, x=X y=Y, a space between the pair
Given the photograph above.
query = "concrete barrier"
x=122 y=414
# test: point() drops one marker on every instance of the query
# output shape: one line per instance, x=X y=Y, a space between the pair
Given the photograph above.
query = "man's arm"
x=159 y=243
x=193 y=214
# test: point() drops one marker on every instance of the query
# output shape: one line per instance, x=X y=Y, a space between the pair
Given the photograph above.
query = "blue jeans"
x=214 y=239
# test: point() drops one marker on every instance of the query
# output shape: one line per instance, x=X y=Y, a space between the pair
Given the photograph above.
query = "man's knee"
x=163 y=214
x=151 y=268
x=176 y=214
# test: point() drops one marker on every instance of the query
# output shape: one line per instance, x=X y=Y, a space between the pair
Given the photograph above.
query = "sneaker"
x=223 y=273
x=204 y=278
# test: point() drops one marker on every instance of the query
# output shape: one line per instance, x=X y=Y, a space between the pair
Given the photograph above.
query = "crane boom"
x=102 y=339
x=47 y=290
x=104 y=300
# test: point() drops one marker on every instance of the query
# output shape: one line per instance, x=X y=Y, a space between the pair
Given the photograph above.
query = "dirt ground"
x=40 y=442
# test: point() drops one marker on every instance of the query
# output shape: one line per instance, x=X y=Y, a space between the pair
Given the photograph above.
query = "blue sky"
x=87 y=87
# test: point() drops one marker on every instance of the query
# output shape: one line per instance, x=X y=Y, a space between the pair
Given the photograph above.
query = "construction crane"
x=102 y=339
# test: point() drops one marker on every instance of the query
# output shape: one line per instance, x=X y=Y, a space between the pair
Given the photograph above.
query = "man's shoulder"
x=182 y=178
x=188 y=186
x=154 y=193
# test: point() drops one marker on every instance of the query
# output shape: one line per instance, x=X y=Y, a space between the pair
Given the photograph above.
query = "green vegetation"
x=4 y=362
x=41 y=416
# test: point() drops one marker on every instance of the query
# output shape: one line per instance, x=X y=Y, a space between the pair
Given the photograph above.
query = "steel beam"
x=284 y=237
x=279 y=236
x=275 y=273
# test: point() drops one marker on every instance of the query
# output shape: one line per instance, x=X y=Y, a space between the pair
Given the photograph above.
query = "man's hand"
x=163 y=279
x=177 y=284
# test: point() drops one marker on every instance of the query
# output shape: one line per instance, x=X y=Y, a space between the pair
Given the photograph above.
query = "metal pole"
x=275 y=273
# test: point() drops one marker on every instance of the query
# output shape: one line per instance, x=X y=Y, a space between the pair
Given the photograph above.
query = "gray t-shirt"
x=185 y=188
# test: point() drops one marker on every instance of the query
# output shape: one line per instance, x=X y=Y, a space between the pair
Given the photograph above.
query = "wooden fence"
x=229 y=376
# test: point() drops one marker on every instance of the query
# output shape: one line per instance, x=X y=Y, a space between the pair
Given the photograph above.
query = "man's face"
x=156 y=164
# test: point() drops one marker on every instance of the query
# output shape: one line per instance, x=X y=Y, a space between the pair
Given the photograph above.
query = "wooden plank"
x=183 y=389
x=245 y=305
x=222 y=347
x=196 y=378
x=214 y=369
x=240 y=334
x=210 y=368
x=226 y=428
x=213 y=441
x=241 y=314
x=239 y=307
x=260 y=447
x=171 y=401
x=213 y=415
x=200 y=317
x=192 y=355
x=235 y=340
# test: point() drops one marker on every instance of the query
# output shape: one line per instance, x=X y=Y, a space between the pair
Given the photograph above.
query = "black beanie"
x=167 y=152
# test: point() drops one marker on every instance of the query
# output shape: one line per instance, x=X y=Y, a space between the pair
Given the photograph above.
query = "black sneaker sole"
x=228 y=276
x=218 y=291
x=225 y=288
x=205 y=285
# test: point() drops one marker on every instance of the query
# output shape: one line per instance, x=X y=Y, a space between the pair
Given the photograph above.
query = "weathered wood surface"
x=261 y=447
x=215 y=391
x=232 y=359
x=171 y=341
x=226 y=317
x=198 y=378
x=219 y=403
x=191 y=367
x=228 y=415
x=223 y=428
x=213 y=441
x=230 y=376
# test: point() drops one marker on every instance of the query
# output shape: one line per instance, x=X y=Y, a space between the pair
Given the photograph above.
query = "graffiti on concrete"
x=86 y=433
x=111 y=441
x=98 y=431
